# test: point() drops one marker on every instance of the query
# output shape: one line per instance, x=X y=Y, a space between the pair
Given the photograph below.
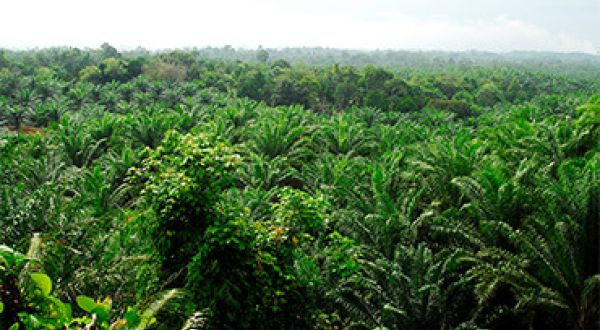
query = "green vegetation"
x=179 y=191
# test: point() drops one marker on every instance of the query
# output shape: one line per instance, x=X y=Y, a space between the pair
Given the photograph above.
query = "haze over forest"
x=489 y=25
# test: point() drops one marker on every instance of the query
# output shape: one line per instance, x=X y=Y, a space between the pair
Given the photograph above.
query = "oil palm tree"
x=406 y=292
x=548 y=256
x=281 y=132
x=344 y=134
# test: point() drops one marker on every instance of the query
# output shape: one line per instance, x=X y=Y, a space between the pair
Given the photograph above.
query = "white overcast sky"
x=492 y=25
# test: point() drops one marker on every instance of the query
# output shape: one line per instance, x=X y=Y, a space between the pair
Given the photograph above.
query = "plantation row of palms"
x=149 y=203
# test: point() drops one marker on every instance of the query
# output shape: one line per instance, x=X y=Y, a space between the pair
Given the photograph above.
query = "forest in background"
x=298 y=189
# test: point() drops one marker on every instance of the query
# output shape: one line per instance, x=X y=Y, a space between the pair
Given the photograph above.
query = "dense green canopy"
x=179 y=191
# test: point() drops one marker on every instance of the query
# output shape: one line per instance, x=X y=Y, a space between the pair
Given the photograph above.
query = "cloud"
x=184 y=23
x=499 y=34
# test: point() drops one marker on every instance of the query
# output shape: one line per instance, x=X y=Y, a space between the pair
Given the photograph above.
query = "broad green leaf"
x=7 y=256
x=1 y=307
x=101 y=313
x=86 y=303
x=132 y=318
x=43 y=282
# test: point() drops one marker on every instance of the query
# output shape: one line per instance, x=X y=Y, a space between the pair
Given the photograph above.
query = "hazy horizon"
x=487 y=25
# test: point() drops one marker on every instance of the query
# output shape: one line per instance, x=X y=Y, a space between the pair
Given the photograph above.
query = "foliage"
x=433 y=191
x=27 y=300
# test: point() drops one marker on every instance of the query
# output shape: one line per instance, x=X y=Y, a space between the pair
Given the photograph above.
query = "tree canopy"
x=270 y=189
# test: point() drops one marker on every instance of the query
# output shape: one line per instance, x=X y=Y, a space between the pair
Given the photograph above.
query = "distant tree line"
x=321 y=88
